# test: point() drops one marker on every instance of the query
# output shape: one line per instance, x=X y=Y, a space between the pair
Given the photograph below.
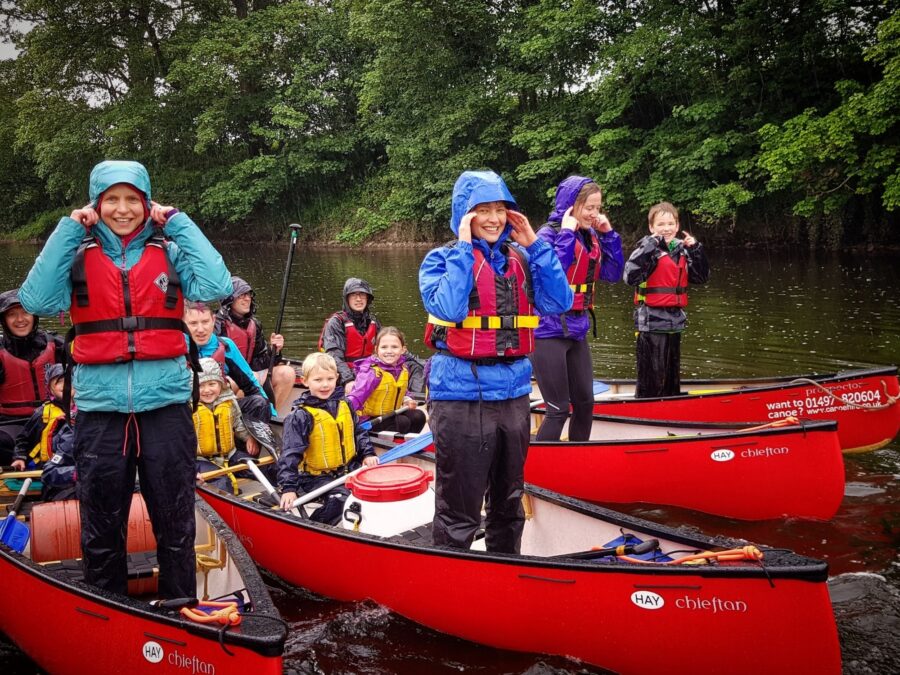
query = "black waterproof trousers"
x=566 y=377
x=481 y=448
x=9 y=431
x=658 y=364
x=332 y=510
x=406 y=422
x=162 y=446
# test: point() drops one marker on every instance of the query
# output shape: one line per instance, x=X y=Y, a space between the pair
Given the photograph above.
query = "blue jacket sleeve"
x=60 y=470
x=552 y=294
x=204 y=276
x=611 y=256
x=563 y=243
x=445 y=281
x=47 y=289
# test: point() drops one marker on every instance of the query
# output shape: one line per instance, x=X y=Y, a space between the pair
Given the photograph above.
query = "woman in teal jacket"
x=133 y=408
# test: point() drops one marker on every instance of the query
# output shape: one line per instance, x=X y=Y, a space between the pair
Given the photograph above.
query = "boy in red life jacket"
x=661 y=268
x=25 y=351
x=322 y=441
x=236 y=320
x=482 y=293
x=349 y=335
x=123 y=267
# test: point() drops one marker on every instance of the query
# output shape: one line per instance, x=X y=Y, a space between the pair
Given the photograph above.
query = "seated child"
x=382 y=381
x=46 y=442
x=219 y=425
x=349 y=335
x=322 y=440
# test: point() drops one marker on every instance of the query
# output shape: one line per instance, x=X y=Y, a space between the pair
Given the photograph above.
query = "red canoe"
x=864 y=403
x=796 y=470
x=91 y=631
x=745 y=615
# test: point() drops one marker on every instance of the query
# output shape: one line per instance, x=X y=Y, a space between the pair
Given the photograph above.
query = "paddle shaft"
x=270 y=489
x=386 y=416
x=627 y=549
x=19 y=497
x=295 y=230
x=9 y=475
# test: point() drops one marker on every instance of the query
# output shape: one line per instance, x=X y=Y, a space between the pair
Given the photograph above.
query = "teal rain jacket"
x=133 y=386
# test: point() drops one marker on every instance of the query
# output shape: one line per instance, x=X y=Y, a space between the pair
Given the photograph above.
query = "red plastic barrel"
x=389 y=483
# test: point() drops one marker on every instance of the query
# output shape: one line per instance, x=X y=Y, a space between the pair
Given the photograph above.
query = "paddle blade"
x=14 y=534
x=410 y=447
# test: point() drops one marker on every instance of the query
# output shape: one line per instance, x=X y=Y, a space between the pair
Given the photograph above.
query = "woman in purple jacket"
x=588 y=250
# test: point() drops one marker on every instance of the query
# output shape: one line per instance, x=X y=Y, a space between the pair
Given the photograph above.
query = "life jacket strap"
x=128 y=324
x=503 y=322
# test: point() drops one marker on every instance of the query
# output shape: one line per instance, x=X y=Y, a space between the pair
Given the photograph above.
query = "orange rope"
x=786 y=421
x=226 y=613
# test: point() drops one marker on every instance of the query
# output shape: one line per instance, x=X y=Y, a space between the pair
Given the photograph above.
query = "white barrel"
x=388 y=500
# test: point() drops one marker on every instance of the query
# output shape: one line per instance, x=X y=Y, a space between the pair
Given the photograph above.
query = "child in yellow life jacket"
x=219 y=426
x=322 y=440
x=382 y=381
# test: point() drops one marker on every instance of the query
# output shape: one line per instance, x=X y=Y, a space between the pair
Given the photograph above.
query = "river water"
x=763 y=313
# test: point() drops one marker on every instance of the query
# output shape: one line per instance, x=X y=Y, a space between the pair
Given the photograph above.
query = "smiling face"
x=122 y=209
x=489 y=221
x=241 y=304
x=587 y=212
x=200 y=325
x=664 y=224
x=19 y=322
x=357 y=301
x=210 y=390
x=321 y=382
x=389 y=349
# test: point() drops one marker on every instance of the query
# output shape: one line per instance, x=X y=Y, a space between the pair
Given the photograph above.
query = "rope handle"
x=225 y=613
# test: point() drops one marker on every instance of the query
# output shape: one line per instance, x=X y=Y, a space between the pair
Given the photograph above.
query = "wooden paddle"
x=410 y=447
x=230 y=469
x=36 y=473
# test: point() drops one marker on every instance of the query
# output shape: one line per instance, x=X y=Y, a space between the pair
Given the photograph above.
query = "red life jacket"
x=23 y=390
x=243 y=338
x=501 y=318
x=133 y=314
x=358 y=345
x=219 y=357
x=584 y=271
x=667 y=286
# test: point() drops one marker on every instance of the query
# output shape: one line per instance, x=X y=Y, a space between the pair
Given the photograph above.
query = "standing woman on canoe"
x=481 y=292
x=25 y=351
x=588 y=250
x=123 y=266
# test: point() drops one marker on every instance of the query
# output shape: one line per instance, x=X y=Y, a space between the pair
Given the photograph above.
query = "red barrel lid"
x=389 y=483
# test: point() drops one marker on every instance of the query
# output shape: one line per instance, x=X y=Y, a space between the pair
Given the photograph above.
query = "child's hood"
x=566 y=194
x=477 y=187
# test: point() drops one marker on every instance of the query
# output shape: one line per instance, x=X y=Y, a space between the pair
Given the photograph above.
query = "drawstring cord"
x=137 y=433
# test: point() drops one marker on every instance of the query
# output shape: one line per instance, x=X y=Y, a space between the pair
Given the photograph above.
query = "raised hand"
x=158 y=213
x=689 y=240
x=465 y=227
x=601 y=223
x=522 y=233
x=86 y=215
x=569 y=222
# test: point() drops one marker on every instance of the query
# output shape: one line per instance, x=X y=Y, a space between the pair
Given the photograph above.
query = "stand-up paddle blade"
x=13 y=533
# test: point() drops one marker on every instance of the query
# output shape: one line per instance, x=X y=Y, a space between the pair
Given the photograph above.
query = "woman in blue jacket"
x=123 y=266
x=481 y=292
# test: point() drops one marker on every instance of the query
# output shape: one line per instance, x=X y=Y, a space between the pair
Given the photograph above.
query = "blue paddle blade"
x=600 y=387
x=410 y=447
x=14 y=534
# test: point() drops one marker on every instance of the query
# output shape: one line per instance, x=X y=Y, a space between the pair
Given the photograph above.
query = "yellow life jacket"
x=43 y=451
x=331 y=441
x=215 y=430
x=388 y=395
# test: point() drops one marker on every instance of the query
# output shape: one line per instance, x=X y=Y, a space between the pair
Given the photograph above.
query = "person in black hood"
x=236 y=319
x=24 y=352
x=349 y=335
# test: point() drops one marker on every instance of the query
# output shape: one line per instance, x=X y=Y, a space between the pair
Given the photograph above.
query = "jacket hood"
x=354 y=285
x=566 y=194
x=112 y=172
x=477 y=187
x=8 y=300
x=239 y=287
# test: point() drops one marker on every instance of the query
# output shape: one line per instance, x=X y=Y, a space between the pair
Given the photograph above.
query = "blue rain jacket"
x=445 y=282
x=133 y=386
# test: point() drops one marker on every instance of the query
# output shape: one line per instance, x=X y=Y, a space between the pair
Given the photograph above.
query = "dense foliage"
x=764 y=120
